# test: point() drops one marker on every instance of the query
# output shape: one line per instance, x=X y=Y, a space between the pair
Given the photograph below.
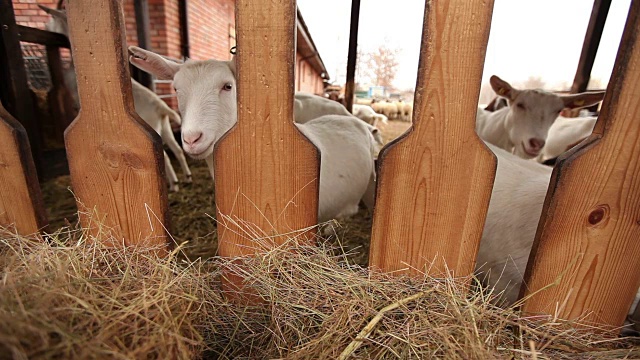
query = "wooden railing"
x=434 y=183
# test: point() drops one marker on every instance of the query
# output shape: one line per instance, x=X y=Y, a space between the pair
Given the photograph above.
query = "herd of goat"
x=524 y=131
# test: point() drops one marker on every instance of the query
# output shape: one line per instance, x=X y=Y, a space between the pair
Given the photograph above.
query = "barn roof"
x=307 y=48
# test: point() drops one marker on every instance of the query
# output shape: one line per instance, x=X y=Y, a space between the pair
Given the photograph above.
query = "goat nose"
x=192 y=138
x=536 y=144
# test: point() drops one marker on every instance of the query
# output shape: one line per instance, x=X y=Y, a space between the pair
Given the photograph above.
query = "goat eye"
x=520 y=106
x=227 y=87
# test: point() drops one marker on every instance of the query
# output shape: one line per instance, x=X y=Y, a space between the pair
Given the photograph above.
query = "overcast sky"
x=528 y=38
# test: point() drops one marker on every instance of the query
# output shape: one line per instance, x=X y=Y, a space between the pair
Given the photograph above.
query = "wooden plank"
x=14 y=92
x=42 y=37
x=59 y=97
x=590 y=46
x=590 y=226
x=141 y=9
x=435 y=182
x=266 y=170
x=353 y=55
x=20 y=198
x=115 y=159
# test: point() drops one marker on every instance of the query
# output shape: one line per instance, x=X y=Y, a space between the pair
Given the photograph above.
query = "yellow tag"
x=578 y=102
x=501 y=91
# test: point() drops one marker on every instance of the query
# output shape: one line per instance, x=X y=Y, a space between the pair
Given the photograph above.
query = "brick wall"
x=307 y=79
x=211 y=34
x=210 y=28
x=29 y=14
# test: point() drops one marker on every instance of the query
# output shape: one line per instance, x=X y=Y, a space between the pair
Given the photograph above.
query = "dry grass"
x=77 y=299
x=74 y=298
x=192 y=210
x=393 y=129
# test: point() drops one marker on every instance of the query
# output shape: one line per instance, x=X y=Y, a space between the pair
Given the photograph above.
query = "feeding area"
x=230 y=202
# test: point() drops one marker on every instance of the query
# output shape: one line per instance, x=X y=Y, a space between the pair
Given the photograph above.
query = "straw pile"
x=73 y=298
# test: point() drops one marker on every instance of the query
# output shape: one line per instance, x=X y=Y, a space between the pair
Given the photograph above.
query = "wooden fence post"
x=115 y=159
x=588 y=237
x=266 y=170
x=20 y=198
x=435 y=182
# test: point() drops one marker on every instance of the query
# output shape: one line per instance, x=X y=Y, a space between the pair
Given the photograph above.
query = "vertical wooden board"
x=115 y=159
x=590 y=226
x=434 y=184
x=266 y=171
x=59 y=97
x=20 y=197
x=18 y=99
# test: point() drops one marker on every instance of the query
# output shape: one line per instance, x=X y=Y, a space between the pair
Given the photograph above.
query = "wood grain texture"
x=435 y=182
x=590 y=226
x=115 y=159
x=20 y=197
x=266 y=171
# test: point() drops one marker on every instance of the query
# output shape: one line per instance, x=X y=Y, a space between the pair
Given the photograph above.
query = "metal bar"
x=141 y=9
x=184 y=28
x=590 y=45
x=353 y=50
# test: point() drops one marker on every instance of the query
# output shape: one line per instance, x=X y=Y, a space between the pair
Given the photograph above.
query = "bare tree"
x=383 y=65
x=533 y=82
x=363 y=73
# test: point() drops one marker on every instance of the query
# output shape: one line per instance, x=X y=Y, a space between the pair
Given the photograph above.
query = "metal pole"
x=351 y=60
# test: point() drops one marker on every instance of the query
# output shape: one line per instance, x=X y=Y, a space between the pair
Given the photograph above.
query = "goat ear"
x=503 y=88
x=153 y=63
x=583 y=99
x=54 y=12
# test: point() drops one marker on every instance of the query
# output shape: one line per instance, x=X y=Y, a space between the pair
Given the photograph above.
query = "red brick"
x=209 y=23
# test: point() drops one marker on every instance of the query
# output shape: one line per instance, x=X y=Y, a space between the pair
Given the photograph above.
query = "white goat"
x=390 y=110
x=366 y=114
x=521 y=128
x=564 y=134
x=155 y=112
x=309 y=106
x=407 y=112
x=496 y=104
x=512 y=219
x=207 y=100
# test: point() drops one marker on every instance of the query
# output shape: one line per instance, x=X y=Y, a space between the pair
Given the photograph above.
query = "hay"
x=74 y=298
x=192 y=212
x=77 y=299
